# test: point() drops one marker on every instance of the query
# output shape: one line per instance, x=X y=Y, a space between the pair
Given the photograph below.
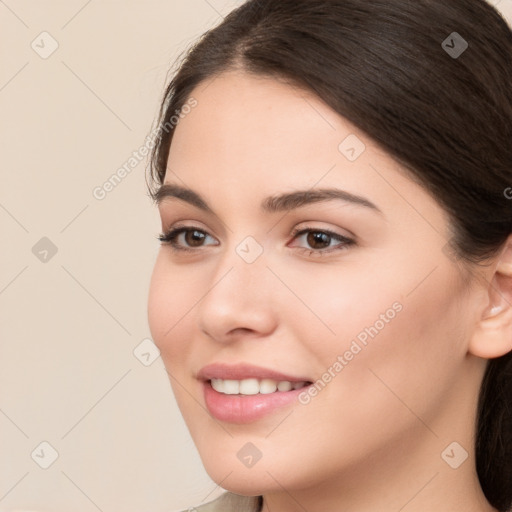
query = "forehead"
x=253 y=136
x=259 y=108
x=252 y=126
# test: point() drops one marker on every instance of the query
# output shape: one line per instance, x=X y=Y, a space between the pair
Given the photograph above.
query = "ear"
x=492 y=336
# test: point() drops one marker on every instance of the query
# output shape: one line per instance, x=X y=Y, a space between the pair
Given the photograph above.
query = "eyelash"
x=169 y=238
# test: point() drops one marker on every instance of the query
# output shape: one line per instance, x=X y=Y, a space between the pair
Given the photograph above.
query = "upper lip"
x=244 y=371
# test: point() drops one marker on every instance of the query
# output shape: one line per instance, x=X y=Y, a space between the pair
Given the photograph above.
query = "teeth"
x=249 y=387
x=267 y=386
x=218 y=385
x=284 y=386
x=253 y=386
x=231 y=387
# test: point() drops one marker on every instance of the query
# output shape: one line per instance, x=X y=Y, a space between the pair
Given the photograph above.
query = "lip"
x=246 y=408
x=244 y=371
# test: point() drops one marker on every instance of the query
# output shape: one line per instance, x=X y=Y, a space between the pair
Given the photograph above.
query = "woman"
x=332 y=298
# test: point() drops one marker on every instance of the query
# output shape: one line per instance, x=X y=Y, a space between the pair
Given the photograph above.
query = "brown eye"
x=184 y=239
x=318 y=239
x=194 y=238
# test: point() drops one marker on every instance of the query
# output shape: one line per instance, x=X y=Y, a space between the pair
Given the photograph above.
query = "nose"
x=239 y=301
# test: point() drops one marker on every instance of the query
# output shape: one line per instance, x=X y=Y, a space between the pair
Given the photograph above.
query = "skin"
x=372 y=438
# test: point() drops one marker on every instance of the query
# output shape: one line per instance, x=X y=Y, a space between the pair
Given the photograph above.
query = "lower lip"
x=246 y=408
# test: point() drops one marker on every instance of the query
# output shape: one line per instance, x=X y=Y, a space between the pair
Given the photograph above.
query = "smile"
x=253 y=386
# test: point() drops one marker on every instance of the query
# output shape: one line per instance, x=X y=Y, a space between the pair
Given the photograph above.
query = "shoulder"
x=229 y=502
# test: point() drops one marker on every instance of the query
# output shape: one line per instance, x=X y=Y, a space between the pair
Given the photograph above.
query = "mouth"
x=246 y=393
x=252 y=386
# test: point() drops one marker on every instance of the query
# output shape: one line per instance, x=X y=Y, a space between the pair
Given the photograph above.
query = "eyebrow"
x=272 y=204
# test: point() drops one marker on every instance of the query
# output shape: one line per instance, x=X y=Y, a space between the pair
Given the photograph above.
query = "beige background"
x=69 y=324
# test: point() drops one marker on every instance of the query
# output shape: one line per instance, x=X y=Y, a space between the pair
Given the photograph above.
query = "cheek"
x=408 y=369
x=383 y=331
x=171 y=298
x=339 y=303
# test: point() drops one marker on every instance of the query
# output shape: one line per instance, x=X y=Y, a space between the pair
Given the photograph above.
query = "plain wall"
x=70 y=321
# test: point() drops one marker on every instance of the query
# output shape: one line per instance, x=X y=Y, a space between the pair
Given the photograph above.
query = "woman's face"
x=365 y=305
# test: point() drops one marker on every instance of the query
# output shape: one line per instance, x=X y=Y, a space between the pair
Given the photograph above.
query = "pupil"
x=316 y=237
x=194 y=238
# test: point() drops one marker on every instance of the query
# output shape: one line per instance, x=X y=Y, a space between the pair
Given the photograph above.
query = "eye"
x=191 y=236
x=320 y=241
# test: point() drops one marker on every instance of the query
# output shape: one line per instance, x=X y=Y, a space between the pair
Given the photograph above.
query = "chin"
x=226 y=467
x=244 y=481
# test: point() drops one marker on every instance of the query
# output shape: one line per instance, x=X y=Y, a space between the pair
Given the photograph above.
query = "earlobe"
x=492 y=336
